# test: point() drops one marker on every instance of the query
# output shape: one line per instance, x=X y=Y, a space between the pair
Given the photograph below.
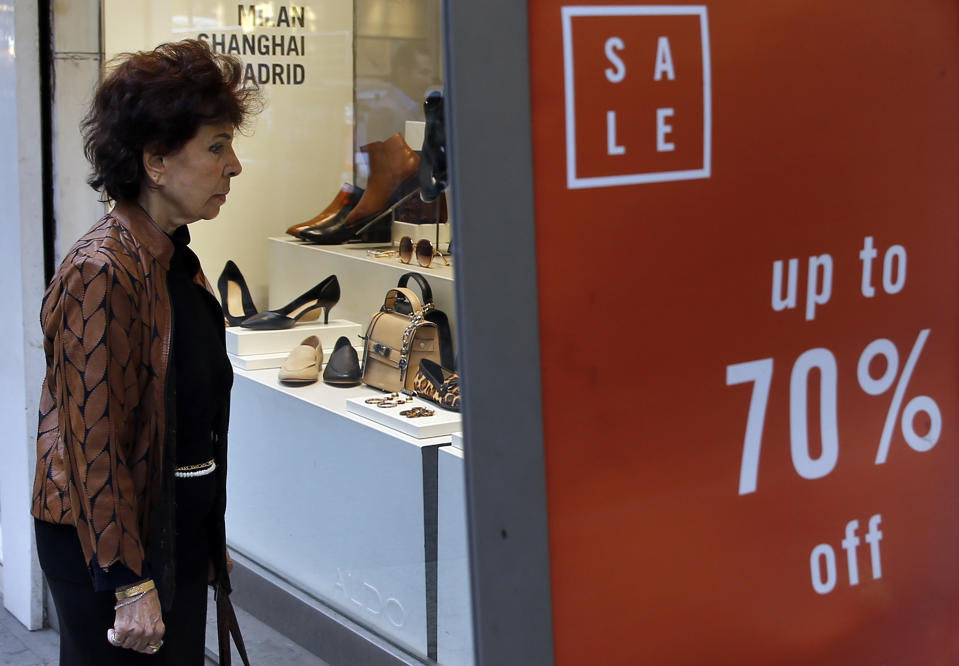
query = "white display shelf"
x=443 y=422
x=248 y=342
x=333 y=399
x=360 y=252
x=457 y=440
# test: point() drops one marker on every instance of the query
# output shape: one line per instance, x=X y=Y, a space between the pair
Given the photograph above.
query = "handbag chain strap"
x=415 y=321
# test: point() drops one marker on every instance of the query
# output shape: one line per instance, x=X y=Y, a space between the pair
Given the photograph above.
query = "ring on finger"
x=112 y=637
x=155 y=647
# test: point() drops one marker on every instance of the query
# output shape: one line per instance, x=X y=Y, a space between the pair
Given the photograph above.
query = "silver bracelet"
x=131 y=600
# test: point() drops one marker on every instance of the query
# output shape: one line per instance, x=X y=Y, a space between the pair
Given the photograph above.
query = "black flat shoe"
x=306 y=307
x=343 y=368
x=235 y=296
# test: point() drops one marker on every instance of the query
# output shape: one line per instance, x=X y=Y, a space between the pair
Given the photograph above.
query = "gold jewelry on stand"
x=390 y=400
x=417 y=412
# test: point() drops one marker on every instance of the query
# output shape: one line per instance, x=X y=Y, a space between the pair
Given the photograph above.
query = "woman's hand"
x=139 y=626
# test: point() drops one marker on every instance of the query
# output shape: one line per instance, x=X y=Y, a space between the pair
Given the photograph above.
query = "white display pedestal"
x=247 y=341
x=415 y=132
x=454 y=621
x=258 y=361
x=265 y=361
x=442 y=423
x=331 y=502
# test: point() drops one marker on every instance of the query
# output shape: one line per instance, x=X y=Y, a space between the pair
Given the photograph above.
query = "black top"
x=203 y=381
x=203 y=372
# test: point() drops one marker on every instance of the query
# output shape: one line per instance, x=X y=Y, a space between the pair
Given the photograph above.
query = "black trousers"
x=85 y=615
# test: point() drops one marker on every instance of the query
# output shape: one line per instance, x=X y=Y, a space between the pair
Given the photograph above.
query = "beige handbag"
x=396 y=342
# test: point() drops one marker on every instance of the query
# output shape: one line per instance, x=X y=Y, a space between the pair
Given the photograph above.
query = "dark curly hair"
x=159 y=99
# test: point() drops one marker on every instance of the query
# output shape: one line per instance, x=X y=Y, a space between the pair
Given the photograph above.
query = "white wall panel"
x=21 y=282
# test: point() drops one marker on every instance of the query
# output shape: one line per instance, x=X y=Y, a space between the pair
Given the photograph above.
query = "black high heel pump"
x=306 y=308
x=235 y=296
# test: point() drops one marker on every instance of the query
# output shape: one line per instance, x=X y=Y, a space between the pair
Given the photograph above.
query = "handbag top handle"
x=419 y=280
x=389 y=302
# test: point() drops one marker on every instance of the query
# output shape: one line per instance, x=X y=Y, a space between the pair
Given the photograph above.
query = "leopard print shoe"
x=437 y=384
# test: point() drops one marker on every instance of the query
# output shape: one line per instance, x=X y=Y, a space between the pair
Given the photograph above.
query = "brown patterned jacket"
x=106 y=440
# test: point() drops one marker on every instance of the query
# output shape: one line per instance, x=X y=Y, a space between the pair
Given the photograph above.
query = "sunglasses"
x=423 y=250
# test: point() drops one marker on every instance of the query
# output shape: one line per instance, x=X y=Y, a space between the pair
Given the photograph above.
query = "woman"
x=130 y=487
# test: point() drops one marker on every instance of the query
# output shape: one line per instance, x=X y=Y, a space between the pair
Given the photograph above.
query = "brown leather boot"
x=393 y=177
x=347 y=197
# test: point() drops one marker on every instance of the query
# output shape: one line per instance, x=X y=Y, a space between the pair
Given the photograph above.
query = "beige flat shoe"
x=302 y=366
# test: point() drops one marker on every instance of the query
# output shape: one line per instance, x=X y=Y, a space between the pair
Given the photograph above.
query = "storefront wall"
x=21 y=282
x=298 y=151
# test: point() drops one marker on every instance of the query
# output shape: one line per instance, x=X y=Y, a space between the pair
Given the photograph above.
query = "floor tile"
x=263 y=644
x=19 y=647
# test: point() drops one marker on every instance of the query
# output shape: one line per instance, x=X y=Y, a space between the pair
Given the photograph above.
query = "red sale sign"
x=748 y=264
x=608 y=137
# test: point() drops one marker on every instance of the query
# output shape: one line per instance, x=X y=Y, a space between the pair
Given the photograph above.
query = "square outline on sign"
x=573 y=182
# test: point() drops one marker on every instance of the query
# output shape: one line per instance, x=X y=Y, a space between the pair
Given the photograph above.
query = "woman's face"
x=194 y=181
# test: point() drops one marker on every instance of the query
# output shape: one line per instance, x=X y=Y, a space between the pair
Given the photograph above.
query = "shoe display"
x=393 y=178
x=437 y=384
x=235 y=296
x=337 y=231
x=393 y=169
x=306 y=307
x=343 y=368
x=432 y=171
x=344 y=202
x=302 y=366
